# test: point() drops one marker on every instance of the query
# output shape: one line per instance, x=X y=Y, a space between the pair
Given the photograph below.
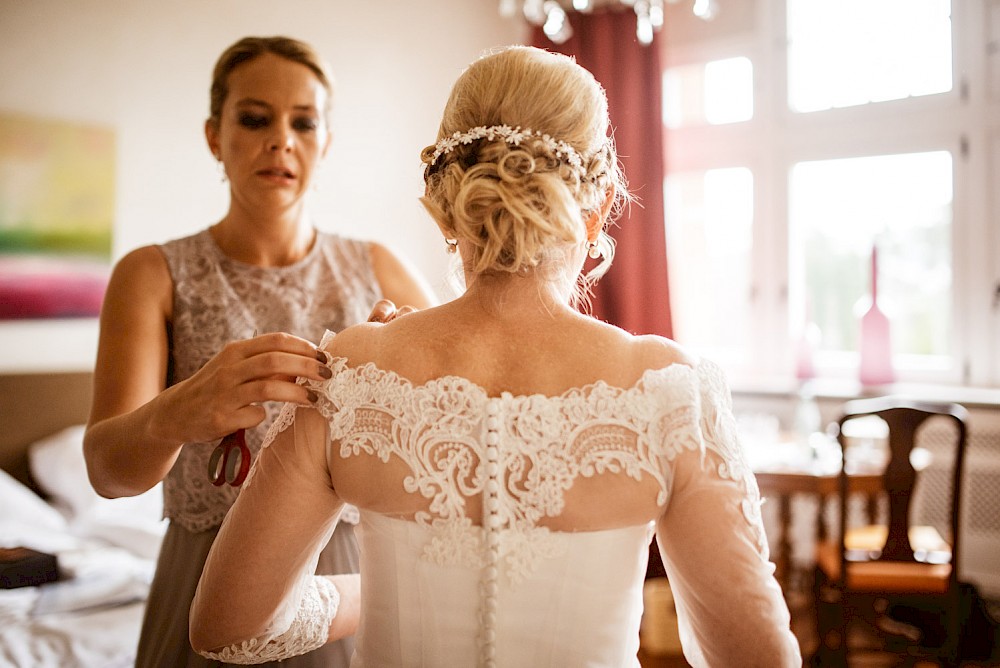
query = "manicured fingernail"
x=312 y=396
x=325 y=372
x=322 y=356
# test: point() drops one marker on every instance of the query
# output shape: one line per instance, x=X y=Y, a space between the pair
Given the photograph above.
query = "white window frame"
x=964 y=121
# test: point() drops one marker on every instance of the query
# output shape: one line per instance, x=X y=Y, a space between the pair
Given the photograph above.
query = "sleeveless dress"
x=218 y=300
x=447 y=587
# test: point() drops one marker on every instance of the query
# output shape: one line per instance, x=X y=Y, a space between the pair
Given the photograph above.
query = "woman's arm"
x=399 y=282
x=711 y=538
x=137 y=425
x=729 y=606
x=258 y=599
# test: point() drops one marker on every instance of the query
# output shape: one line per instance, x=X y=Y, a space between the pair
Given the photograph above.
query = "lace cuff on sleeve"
x=308 y=631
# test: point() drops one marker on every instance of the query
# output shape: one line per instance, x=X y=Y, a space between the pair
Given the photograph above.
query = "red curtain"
x=634 y=293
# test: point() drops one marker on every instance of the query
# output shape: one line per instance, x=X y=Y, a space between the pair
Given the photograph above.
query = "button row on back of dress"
x=491 y=528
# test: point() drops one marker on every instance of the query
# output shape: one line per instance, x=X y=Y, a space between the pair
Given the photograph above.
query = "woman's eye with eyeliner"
x=253 y=121
x=306 y=124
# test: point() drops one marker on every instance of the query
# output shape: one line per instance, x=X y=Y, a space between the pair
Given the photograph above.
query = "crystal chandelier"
x=552 y=15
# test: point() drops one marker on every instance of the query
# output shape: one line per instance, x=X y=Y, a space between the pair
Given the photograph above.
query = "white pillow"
x=59 y=469
x=58 y=466
x=20 y=505
x=135 y=523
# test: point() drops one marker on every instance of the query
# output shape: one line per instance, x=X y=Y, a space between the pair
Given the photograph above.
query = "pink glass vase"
x=876 y=347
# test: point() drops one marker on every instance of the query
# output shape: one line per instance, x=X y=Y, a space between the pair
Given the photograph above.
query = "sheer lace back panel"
x=495 y=481
x=218 y=300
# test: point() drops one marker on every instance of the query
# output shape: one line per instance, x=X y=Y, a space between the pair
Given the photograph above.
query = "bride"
x=511 y=457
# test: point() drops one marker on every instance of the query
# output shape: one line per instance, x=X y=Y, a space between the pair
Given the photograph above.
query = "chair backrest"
x=903 y=417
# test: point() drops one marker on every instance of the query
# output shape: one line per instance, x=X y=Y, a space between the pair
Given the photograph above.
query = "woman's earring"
x=593 y=250
x=452 y=245
x=222 y=170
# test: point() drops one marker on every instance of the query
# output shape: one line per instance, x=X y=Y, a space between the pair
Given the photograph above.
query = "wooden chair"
x=863 y=571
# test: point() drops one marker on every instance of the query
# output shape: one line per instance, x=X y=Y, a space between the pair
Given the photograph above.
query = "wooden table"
x=783 y=482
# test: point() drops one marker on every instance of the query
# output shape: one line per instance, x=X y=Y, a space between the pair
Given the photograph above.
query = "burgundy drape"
x=634 y=293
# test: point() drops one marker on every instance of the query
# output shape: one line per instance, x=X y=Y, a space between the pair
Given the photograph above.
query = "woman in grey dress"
x=201 y=336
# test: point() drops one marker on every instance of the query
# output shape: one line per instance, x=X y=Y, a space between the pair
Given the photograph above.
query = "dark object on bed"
x=22 y=567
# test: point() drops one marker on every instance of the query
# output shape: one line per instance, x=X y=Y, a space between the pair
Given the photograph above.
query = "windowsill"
x=845 y=389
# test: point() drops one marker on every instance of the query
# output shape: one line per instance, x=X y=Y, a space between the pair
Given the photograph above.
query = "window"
x=901 y=206
x=800 y=135
x=849 y=52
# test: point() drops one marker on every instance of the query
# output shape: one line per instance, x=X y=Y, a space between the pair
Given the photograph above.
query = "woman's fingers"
x=383 y=311
x=386 y=311
x=273 y=342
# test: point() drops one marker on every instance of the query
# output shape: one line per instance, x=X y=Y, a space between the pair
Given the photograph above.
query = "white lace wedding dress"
x=503 y=530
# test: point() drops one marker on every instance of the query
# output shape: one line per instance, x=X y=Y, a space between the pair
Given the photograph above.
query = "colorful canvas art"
x=56 y=212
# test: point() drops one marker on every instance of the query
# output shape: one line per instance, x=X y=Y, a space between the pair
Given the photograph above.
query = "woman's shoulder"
x=657 y=352
x=644 y=352
x=141 y=264
x=357 y=343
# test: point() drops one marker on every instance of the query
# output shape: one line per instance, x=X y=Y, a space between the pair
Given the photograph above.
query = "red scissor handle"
x=230 y=461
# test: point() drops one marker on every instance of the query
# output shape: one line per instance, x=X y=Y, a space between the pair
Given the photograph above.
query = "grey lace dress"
x=218 y=300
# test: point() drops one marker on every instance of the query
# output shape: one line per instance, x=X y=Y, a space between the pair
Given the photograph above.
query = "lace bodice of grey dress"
x=218 y=300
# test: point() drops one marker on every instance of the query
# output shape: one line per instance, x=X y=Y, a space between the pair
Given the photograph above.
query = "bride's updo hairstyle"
x=543 y=162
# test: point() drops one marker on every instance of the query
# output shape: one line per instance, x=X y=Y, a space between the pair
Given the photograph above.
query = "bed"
x=106 y=549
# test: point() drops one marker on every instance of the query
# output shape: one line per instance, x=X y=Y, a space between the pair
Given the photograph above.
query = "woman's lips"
x=277 y=174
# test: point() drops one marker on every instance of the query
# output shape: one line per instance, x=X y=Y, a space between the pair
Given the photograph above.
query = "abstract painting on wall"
x=57 y=182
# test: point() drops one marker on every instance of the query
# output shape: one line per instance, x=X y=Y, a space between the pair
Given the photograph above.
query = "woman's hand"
x=385 y=310
x=226 y=393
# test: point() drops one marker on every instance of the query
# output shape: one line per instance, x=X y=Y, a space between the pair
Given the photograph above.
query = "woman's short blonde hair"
x=517 y=205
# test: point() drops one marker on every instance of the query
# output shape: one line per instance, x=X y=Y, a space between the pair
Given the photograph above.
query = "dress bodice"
x=417 y=612
x=477 y=548
x=217 y=300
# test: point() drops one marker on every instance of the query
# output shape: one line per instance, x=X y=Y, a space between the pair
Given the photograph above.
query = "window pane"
x=901 y=203
x=843 y=53
x=709 y=241
x=717 y=92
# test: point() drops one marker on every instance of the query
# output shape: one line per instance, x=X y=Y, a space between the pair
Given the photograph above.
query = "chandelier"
x=552 y=15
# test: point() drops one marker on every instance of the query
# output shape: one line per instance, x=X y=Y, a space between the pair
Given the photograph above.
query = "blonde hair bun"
x=523 y=158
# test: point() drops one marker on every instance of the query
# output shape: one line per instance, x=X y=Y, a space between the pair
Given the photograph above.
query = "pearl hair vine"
x=513 y=136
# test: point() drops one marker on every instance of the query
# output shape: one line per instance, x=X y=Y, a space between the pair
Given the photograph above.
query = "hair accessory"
x=452 y=245
x=593 y=250
x=513 y=136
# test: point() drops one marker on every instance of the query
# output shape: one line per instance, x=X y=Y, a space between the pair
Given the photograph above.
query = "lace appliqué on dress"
x=309 y=629
x=719 y=429
x=545 y=443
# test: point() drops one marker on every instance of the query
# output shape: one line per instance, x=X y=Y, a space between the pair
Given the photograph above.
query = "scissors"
x=230 y=461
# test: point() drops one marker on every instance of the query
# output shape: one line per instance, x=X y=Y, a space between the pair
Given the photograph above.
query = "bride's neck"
x=504 y=295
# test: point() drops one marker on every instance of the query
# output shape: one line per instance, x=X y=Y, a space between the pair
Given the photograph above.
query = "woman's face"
x=271 y=134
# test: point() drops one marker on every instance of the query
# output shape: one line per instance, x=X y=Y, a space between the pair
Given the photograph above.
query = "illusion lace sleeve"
x=711 y=537
x=284 y=515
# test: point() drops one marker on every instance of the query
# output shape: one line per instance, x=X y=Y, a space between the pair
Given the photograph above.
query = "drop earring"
x=221 y=168
x=593 y=250
x=452 y=246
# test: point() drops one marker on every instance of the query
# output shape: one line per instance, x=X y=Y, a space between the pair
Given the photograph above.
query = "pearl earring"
x=452 y=245
x=593 y=250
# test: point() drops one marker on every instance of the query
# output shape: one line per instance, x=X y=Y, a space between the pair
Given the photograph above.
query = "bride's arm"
x=258 y=598
x=711 y=537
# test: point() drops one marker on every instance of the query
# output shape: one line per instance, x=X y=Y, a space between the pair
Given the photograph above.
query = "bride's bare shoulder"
x=656 y=352
x=358 y=343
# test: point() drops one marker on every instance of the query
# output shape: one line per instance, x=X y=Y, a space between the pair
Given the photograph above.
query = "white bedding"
x=106 y=549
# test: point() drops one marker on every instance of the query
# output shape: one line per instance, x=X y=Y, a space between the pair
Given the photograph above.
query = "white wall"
x=143 y=68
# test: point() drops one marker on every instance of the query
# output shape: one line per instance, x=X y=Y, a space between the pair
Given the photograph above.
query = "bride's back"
x=562 y=384
x=508 y=460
